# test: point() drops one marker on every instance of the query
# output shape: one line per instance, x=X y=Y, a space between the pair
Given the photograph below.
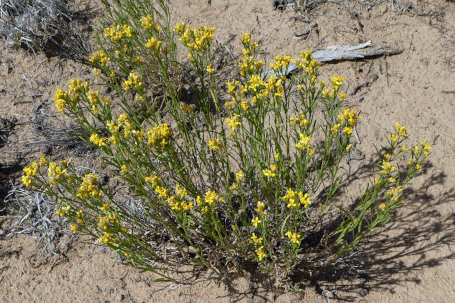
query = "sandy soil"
x=411 y=260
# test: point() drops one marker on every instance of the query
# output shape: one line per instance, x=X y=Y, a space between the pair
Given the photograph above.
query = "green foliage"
x=216 y=184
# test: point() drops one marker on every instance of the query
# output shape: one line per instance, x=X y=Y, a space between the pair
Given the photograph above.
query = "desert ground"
x=410 y=260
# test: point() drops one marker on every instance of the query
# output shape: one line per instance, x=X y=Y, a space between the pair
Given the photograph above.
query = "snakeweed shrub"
x=218 y=184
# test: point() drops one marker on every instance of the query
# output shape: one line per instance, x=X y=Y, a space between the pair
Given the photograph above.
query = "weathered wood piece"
x=342 y=52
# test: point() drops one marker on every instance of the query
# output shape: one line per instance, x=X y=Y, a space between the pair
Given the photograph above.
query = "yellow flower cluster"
x=248 y=63
x=270 y=173
x=337 y=81
x=394 y=193
x=280 y=62
x=106 y=221
x=80 y=217
x=133 y=81
x=302 y=121
x=426 y=147
x=89 y=185
x=158 y=135
x=63 y=210
x=348 y=119
x=147 y=23
x=100 y=57
x=387 y=168
x=246 y=38
x=196 y=38
x=116 y=33
x=187 y=108
x=294 y=237
x=256 y=221
x=154 y=44
x=304 y=144
x=107 y=238
x=155 y=180
x=55 y=173
x=296 y=199
x=95 y=139
x=260 y=253
x=30 y=171
x=234 y=122
x=211 y=197
x=215 y=144
x=255 y=239
x=307 y=63
x=176 y=202
x=210 y=69
x=402 y=131
x=62 y=98
x=261 y=208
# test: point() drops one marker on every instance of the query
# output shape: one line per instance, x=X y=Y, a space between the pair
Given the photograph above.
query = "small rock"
x=120 y=297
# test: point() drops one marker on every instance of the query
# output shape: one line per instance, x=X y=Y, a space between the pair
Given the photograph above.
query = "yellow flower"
x=187 y=206
x=256 y=221
x=348 y=147
x=294 y=237
x=124 y=169
x=347 y=130
x=210 y=69
x=255 y=239
x=337 y=81
x=133 y=81
x=147 y=22
x=234 y=122
x=304 y=199
x=260 y=253
x=105 y=207
x=418 y=166
x=402 y=131
x=212 y=197
x=392 y=180
x=27 y=180
x=268 y=173
x=74 y=228
x=336 y=127
x=215 y=144
x=113 y=140
x=382 y=207
x=261 y=207
x=376 y=181
x=162 y=192
x=94 y=138
x=426 y=145
x=304 y=142
x=181 y=192
x=258 y=64
x=393 y=137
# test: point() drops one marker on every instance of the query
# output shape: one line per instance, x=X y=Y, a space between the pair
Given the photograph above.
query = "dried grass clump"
x=51 y=26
